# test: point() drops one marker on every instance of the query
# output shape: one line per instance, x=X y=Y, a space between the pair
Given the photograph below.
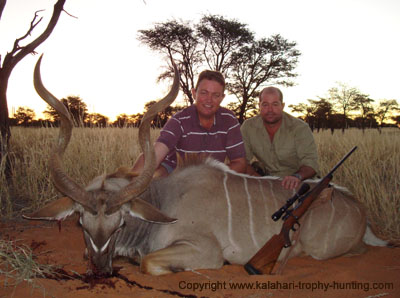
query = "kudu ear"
x=143 y=210
x=56 y=210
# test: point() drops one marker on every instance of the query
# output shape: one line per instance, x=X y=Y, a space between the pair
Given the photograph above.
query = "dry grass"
x=91 y=152
x=371 y=173
x=18 y=264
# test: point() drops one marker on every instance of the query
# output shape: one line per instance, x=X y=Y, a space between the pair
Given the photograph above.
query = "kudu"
x=199 y=216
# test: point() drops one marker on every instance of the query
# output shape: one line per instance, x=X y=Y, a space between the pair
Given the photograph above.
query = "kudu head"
x=101 y=210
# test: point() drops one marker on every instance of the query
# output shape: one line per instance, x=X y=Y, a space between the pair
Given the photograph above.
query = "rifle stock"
x=264 y=260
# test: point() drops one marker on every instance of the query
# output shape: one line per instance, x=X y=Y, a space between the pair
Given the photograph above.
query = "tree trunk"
x=5 y=164
x=243 y=109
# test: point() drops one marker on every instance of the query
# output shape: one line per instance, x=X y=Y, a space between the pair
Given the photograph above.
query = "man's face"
x=208 y=97
x=271 y=108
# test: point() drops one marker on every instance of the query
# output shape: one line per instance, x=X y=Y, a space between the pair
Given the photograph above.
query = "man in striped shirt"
x=203 y=128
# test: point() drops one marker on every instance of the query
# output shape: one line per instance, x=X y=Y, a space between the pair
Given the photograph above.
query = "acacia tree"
x=271 y=60
x=96 y=119
x=24 y=116
x=318 y=113
x=385 y=107
x=343 y=98
x=178 y=43
x=306 y=111
x=11 y=59
x=363 y=103
x=323 y=114
x=220 y=39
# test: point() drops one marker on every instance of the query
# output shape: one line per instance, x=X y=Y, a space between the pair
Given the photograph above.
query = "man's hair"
x=211 y=75
x=271 y=90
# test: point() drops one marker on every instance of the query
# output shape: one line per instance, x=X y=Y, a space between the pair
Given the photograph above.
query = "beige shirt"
x=293 y=145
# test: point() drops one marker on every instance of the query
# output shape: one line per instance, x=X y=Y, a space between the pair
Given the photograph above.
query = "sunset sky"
x=97 y=55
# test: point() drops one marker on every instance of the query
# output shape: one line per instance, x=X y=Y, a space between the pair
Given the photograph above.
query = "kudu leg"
x=183 y=256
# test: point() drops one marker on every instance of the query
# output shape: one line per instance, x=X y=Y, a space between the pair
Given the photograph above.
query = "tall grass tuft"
x=18 y=264
x=371 y=173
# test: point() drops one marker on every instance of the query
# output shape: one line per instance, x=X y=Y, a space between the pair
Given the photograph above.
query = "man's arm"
x=161 y=151
x=238 y=165
x=293 y=181
x=244 y=129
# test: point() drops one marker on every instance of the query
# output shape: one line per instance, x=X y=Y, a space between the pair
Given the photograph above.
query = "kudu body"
x=199 y=216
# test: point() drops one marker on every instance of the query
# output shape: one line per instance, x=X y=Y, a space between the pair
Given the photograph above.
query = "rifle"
x=264 y=260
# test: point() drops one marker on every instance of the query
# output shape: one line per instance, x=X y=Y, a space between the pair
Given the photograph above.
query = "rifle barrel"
x=342 y=160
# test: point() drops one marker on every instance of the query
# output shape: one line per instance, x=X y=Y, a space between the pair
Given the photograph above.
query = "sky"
x=96 y=54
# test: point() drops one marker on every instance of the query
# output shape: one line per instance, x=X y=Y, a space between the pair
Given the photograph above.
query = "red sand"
x=373 y=274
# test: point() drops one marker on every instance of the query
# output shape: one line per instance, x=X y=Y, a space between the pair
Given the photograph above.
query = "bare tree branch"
x=2 y=5
x=34 y=23
x=18 y=53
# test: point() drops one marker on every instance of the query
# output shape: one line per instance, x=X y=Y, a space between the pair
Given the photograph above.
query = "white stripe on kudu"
x=251 y=212
x=228 y=202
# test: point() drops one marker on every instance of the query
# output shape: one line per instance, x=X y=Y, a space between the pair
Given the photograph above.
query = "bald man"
x=281 y=144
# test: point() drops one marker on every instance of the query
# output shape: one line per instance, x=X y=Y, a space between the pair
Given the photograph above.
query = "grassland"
x=371 y=173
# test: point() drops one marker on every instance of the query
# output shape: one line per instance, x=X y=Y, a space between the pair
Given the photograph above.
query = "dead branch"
x=34 y=23
x=19 y=52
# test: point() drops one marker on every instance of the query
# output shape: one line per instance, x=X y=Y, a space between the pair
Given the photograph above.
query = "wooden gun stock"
x=264 y=260
x=266 y=257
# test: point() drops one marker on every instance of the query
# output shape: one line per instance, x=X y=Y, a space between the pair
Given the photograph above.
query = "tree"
x=252 y=108
x=322 y=111
x=396 y=119
x=24 y=116
x=11 y=59
x=343 y=97
x=76 y=107
x=363 y=103
x=96 y=119
x=122 y=120
x=318 y=113
x=220 y=39
x=305 y=110
x=136 y=119
x=386 y=106
x=302 y=108
x=178 y=43
x=271 y=60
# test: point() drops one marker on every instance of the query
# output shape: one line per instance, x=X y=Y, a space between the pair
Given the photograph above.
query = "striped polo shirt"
x=184 y=134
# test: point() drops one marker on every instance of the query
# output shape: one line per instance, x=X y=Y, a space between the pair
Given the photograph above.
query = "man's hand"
x=290 y=182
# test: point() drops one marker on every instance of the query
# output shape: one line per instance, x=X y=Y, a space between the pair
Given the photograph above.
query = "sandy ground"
x=373 y=274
